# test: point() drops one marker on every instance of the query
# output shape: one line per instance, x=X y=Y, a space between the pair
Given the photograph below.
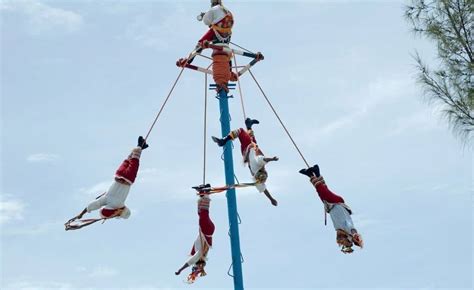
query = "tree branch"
x=463 y=28
x=456 y=30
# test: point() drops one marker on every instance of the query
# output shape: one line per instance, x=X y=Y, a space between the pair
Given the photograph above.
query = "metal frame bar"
x=256 y=58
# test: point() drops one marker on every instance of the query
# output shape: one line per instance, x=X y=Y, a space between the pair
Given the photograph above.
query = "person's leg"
x=252 y=135
x=205 y=222
x=324 y=192
x=244 y=138
x=129 y=168
x=310 y=172
x=250 y=122
x=207 y=226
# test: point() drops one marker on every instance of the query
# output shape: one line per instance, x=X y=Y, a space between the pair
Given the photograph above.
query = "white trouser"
x=341 y=219
x=114 y=198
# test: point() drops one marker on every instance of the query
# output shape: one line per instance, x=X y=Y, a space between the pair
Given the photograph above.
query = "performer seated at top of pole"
x=346 y=234
x=252 y=155
x=112 y=202
x=220 y=21
x=203 y=241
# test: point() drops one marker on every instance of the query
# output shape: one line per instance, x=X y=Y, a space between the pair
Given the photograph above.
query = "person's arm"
x=79 y=216
x=83 y=212
x=190 y=262
x=270 y=197
x=194 y=258
x=196 y=254
x=200 y=16
x=181 y=269
x=270 y=159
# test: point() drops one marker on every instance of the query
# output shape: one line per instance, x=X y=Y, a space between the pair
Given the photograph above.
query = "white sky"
x=80 y=80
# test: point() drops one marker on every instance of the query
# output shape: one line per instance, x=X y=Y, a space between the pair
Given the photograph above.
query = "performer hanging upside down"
x=346 y=234
x=252 y=155
x=203 y=241
x=112 y=202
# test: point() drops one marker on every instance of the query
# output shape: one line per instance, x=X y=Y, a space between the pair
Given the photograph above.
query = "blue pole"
x=231 y=199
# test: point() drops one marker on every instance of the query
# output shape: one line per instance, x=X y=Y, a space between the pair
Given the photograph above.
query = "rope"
x=236 y=179
x=228 y=271
x=164 y=103
x=204 y=56
x=205 y=130
x=241 y=47
x=240 y=88
x=167 y=98
x=281 y=122
x=241 y=255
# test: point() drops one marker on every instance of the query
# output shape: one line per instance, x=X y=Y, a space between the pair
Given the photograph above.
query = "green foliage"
x=449 y=23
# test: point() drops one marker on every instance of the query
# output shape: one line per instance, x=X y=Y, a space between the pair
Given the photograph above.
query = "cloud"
x=362 y=221
x=97 y=188
x=440 y=187
x=421 y=120
x=342 y=122
x=147 y=175
x=149 y=32
x=42 y=157
x=11 y=210
x=411 y=188
x=103 y=272
x=361 y=105
x=163 y=184
x=147 y=35
x=443 y=188
x=42 y=17
x=39 y=286
x=34 y=230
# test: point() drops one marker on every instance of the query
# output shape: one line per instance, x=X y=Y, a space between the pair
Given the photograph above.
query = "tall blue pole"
x=231 y=199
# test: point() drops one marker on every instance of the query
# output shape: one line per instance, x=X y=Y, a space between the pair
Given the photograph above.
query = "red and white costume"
x=206 y=230
x=251 y=153
x=334 y=205
x=220 y=21
x=114 y=198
